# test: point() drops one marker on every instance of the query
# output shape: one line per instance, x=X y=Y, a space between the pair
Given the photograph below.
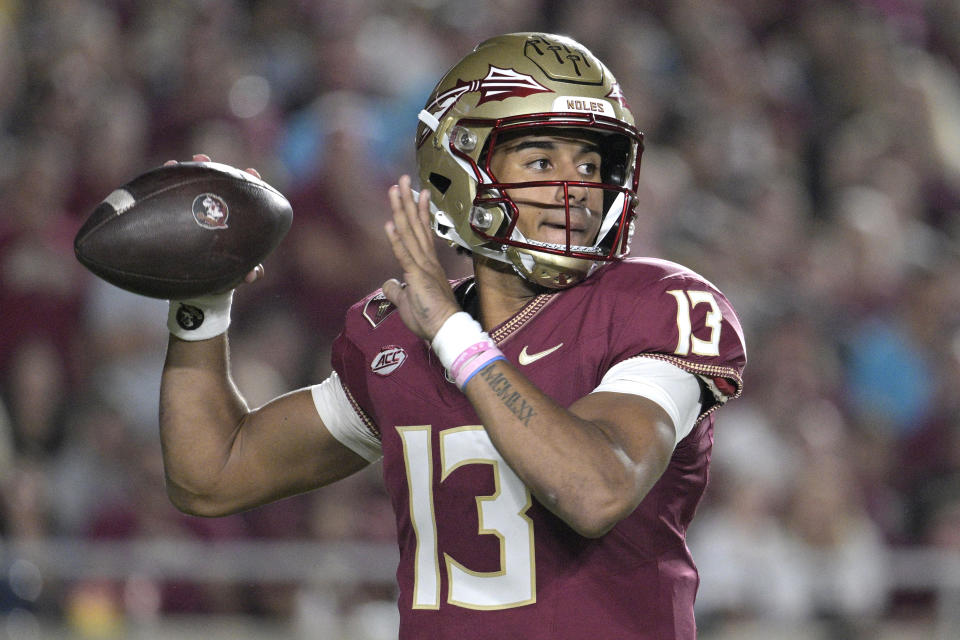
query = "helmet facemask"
x=586 y=222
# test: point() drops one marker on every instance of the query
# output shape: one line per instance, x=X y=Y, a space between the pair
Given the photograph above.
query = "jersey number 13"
x=502 y=514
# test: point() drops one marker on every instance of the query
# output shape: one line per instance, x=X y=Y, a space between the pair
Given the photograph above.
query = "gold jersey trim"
x=367 y=420
x=525 y=315
x=705 y=372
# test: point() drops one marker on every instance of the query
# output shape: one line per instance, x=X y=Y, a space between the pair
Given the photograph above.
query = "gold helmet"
x=507 y=86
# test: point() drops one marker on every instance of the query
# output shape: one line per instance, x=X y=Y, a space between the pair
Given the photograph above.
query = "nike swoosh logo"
x=527 y=358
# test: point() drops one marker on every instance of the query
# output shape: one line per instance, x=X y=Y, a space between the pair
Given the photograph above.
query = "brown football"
x=183 y=230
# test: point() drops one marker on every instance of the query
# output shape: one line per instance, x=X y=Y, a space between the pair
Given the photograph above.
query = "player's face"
x=543 y=210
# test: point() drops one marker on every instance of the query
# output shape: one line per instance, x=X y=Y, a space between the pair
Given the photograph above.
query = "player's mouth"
x=553 y=227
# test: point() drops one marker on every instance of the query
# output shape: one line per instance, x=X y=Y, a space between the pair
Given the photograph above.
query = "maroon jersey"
x=480 y=558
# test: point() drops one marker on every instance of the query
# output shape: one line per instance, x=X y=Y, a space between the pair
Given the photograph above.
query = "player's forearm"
x=200 y=415
x=572 y=465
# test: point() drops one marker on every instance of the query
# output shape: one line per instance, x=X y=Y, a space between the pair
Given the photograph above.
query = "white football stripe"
x=121 y=200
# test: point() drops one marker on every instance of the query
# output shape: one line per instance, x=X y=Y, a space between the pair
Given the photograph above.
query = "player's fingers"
x=401 y=201
x=393 y=289
x=400 y=248
x=414 y=218
x=253 y=172
x=400 y=232
x=414 y=224
x=423 y=211
x=197 y=157
x=255 y=274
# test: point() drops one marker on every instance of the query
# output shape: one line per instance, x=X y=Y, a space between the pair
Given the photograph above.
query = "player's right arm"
x=219 y=456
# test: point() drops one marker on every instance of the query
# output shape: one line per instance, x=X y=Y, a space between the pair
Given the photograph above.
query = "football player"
x=545 y=426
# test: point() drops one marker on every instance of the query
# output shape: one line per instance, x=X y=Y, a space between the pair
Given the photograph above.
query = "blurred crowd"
x=804 y=156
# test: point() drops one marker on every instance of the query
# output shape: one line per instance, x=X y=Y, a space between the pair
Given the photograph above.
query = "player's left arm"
x=591 y=463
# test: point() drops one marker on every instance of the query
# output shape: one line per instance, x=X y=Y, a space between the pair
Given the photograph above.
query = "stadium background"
x=803 y=155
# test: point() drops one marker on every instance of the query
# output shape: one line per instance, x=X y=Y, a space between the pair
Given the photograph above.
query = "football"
x=183 y=230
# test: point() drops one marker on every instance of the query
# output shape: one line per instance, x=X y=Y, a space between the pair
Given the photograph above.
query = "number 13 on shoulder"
x=687 y=342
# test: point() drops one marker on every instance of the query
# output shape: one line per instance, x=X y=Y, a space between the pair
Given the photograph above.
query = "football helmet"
x=516 y=84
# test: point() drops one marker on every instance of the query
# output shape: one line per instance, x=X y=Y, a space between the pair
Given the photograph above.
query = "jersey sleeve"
x=348 y=363
x=675 y=390
x=343 y=421
x=674 y=315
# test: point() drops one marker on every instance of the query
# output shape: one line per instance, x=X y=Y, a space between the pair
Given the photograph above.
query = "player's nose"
x=567 y=192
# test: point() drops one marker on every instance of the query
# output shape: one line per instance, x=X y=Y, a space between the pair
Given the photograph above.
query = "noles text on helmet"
x=532 y=156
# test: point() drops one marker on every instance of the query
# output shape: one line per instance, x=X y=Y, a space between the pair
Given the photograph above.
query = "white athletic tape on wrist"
x=200 y=318
x=458 y=333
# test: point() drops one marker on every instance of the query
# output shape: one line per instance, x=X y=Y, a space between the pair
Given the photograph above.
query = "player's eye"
x=538 y=164
x=588 y=168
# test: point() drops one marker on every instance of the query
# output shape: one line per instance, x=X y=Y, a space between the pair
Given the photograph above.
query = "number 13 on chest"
x=502 y=514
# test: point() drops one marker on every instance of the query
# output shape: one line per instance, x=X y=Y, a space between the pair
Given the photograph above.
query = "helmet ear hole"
x=442 y=183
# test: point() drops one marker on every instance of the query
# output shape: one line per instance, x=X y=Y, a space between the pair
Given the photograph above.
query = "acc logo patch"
x=388 y=360
x=210 y=211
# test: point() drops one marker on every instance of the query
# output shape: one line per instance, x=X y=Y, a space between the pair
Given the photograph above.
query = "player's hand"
x=424 y=298
x=257 y=272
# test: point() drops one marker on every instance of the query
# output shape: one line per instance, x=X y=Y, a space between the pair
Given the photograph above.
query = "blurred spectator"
x=843 y=564
x=41 y=288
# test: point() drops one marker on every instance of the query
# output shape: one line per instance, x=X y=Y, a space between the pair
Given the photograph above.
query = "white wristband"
x=458 y=333
x=200 y=318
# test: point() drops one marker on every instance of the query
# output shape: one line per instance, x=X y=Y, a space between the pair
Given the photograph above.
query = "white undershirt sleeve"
x=342 y=421
x=675 y=390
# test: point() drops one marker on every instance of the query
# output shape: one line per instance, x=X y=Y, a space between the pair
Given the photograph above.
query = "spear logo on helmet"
x=498 y=84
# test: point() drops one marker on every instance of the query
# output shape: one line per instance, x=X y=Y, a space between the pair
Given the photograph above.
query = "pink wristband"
x=474 y=365
x=469 y=354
